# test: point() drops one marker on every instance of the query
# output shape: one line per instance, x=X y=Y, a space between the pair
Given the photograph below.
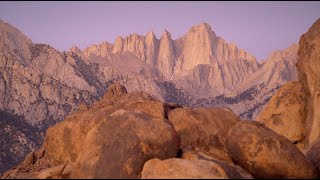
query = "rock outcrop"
x=301 y=102
x=233 y=171
x=151 y=48
x=285 y=113
x=182 y=168
x=36 y=166
x=121 y=143
x=118 y=45
x=104 y=50
x=207 y=65
x=308 y=67
x=204 y=129
x=17 y=138
x=266 y=154
x=166 y=58
x=75 y=49
x=196 y=46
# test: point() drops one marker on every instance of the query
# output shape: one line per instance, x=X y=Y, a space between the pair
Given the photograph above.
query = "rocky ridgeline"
x=44 y=85
x=200 y=62
x=132 y=135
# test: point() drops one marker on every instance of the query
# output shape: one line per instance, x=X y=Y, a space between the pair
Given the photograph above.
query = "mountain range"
x=40 y=85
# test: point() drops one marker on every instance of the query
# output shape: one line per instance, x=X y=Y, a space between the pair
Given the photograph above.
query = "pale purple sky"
x=257 y=27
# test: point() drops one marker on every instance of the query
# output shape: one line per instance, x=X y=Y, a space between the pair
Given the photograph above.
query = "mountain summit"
x=179 y=60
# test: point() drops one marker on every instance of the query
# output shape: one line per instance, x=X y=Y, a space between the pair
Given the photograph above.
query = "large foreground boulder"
x=182 y=169
x=266 y=154
x=120 y=144
x=308 y=67
x=285 y=113
x=65 y=140
x=113 y=138
x=233 y=171
x=203 y=128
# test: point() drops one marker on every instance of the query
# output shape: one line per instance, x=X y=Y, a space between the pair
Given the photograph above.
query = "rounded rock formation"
x=285 y=113
x=266 y=154
x=233 y=171
x=308 y=67
x=204 y=128
x=122 y=142
x=182 y=169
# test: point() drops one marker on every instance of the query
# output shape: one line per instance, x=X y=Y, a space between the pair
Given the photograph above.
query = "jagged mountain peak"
x=293 y=49
x=103 y=49
x=75 y=49
x=135 y=35
x=118 y=44
x=118 y=38
x=201 y=27
x=166 y=34
x=226 y=63
x=104 y=43
x=150 y=34
x=279 y=55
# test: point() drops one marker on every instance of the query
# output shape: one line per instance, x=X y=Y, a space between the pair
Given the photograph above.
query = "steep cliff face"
x=207 y=65
x=196 y=47
x=151 y=48
x=199 y=61
x=166 y=57
x=118 y=45
x=235 y=64
x=12 y=39
x=75 y=49
x=37 y=81
x=134 y=43
x=308 y=67
x=104 y=50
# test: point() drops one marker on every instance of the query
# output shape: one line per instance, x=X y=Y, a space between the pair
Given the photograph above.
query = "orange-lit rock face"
x=308 y=67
